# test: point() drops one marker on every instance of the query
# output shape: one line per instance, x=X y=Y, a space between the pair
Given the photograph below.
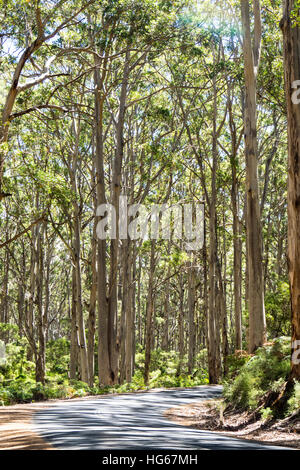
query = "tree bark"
x=4 y=296
x=84 y=369
x=181 y=316
x=149 y=315
x=165 y=339
x=291 y=36
x=257 y=320
x=213 y=322
x=114 y=245
x=104 y=364
x=237 y=242
x=74 y=346
x=191 y=310
x=92 y=310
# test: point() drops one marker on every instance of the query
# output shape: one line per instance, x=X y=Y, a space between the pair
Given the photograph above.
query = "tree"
x=145 y=99
x=33 y=44
x=291 y=36
x=257 y=320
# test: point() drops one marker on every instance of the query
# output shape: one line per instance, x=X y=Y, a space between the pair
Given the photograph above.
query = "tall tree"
x=41 y=21
x=252 y=53
x=291 y=36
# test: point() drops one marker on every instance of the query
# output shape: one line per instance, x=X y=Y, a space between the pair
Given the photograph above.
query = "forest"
x=158 y=106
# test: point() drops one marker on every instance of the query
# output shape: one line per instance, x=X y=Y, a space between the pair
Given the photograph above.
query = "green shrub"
x=164 y=369
x=18 y=384
x=58 y=356
x=277 y=306
x=294 y=401
x=243 y=392
x=265 y=371
x=236 y=361
x=266 y=413
x=16 y=364
x=5 y=397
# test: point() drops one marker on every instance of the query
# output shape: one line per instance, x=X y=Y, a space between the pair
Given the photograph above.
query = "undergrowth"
x=266 y=371
x=18 y=385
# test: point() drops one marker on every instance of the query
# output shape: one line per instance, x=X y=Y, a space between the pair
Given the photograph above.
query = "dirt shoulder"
x=16 y=429
x=208 y=415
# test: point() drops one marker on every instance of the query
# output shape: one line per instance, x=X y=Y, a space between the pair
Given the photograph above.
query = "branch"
x=36 y=108
x=69 y=248
x=147 y=97
x=68 y=20
x=41 y=78
x=257 y=34
x=18 y=235
x=39 y=22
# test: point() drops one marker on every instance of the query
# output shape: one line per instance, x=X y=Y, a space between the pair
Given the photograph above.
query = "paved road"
x=132 y=421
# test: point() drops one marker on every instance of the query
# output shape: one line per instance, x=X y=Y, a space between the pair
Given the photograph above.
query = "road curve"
x=133 y=421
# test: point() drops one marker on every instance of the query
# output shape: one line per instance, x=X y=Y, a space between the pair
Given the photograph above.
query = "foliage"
x=266 y=413
x=294 y=401
x=236 y=361
x=17 y=384
x=262 y=372
x=277 y=305
x=58 y=356
x=16 y=365
x=185 y=60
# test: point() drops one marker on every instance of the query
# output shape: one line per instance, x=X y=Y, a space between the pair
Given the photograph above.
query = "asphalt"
x=132 y=422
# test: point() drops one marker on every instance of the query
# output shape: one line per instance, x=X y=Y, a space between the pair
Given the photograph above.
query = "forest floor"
x=207 y=415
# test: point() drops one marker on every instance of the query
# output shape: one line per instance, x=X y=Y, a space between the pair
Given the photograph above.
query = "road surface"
x=133 y=421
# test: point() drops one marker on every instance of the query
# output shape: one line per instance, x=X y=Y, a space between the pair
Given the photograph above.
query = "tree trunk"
x=41 y=320
x=237 y=242
x=4 y=294
x=291 y=36
x=114 y=245
x=129 y=319
x=224 y=323
x=74 y=347
x=213 y=344
x=165 y=339
x=257 y=320
x=191 y=308
x=181 y=323
x=74 y=167
x=149 y=315
x=104 y=364
x=92 y=310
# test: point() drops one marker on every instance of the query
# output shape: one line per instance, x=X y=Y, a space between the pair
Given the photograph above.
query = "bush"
x=236 y=361
x=294 y=401
x=266 y=413
x=16 y=364
x=278 y=310
x=58 y=356
x=243 y=392
x=265 y=371
x=164 y=370
x=18 y=384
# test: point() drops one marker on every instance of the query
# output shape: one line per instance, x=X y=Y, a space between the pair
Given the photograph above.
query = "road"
x=132 y=421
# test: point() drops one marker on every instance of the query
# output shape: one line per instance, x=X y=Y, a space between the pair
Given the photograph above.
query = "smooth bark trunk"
x=257 y=320
x=291 y=36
